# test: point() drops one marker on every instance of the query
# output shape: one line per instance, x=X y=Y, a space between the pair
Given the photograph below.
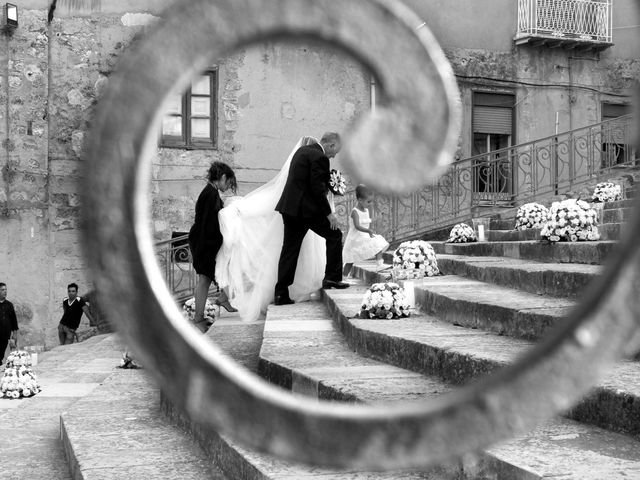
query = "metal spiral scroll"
x=212 y=388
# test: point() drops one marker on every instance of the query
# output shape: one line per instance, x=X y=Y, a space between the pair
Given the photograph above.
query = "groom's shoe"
x=333 y=284
x=282 y=300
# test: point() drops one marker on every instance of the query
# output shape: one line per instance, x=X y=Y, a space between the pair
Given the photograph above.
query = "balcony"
x=570 y=24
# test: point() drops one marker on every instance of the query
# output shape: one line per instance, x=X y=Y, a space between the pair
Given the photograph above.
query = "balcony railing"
x=509 y=177
x=570 y=23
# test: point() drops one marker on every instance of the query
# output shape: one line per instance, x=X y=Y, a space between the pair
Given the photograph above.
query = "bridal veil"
x=247 y=263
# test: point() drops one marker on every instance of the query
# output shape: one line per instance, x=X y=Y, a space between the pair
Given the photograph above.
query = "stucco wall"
x=270 y=96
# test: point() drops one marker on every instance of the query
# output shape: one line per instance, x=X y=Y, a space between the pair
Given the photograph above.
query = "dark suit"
x=304 y=206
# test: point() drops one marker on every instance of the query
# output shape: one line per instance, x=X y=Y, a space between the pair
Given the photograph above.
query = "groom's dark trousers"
x=295 y=229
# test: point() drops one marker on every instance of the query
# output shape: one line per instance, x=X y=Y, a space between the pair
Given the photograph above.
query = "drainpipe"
x=5 y=140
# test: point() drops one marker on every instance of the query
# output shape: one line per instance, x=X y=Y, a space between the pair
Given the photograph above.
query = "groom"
x=304 y=206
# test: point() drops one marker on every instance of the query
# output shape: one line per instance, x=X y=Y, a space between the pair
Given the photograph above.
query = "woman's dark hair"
x=217 y=169
x=363 y=191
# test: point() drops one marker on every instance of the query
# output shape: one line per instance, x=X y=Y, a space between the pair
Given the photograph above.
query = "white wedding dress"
x=253 y=232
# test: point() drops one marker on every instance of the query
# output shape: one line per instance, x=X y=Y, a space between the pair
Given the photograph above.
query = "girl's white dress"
x=359 y=245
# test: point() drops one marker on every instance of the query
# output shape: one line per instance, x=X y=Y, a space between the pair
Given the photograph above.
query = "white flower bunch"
x=17 y=382
x=189 y=310
x=337 y=183
x=571 y=220
x=414 y=259
x=462 y=233
x=384 y=301
x=531 y=215
x=18 y=358
x=607 y=192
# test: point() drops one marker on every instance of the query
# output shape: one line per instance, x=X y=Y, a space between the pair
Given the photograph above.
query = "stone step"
x=608 y=231
x=429 y=345
x=242 y=341
x=616 y=215
x=118 y=431
x=554 y=279
x=562 y=252
x=513 y=235
x=302 y=351
x=626 y=203
x=502 y=224
x=477 y=305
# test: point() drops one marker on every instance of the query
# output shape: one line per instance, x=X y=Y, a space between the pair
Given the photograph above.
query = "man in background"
x=73 y=307
x=8 y=322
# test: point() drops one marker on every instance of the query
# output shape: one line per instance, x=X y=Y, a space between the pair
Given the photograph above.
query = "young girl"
x=361 y=243
x=205 y=238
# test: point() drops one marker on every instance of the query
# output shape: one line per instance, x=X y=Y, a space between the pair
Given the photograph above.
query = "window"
x=615 y=150
x=190 y=119
x=492 y=124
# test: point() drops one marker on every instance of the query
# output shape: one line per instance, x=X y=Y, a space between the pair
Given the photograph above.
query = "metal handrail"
x=487 y=183
x=174 y=259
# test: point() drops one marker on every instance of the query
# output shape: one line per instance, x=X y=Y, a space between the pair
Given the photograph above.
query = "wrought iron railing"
x=504 y=178
x=174 y=258
x=588 y=20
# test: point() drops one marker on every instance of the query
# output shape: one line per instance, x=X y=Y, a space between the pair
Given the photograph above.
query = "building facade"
x=249 y=108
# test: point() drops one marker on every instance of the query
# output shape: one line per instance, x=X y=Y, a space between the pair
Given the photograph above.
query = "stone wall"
x=51 y=76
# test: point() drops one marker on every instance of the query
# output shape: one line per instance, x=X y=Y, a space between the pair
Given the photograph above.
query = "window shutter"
x=496 y=120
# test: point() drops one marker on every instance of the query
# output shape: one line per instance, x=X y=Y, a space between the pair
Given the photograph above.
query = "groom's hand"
x=333 y=221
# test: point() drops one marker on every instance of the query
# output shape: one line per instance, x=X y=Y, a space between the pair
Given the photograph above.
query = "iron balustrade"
x=174 y=259
x=587 y=20
x=486 y=183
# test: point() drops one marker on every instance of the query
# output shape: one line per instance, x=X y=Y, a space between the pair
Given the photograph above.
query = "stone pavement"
x=109 y=421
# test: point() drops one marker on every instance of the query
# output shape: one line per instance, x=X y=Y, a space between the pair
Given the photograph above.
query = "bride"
x=253 y=232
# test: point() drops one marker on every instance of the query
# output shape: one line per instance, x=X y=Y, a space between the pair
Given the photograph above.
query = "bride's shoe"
x=227 y=306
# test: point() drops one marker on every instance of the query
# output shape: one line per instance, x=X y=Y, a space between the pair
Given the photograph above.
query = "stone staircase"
x=494 y=301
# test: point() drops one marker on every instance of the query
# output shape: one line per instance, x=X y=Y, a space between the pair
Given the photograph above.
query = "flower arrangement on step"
x=384 y=301
x=414 y=259
x=189 y=310
x=571 y=220
x=462 y=233
x=607 y=192
x=531 y=215
x=337 y=182
x=18 y=380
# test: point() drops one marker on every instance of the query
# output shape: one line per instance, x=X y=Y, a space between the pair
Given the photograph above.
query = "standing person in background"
x=73 y=307
x=205 y=238
x=8 y=322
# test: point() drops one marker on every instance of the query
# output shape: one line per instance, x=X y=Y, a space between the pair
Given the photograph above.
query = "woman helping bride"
x=253 y=232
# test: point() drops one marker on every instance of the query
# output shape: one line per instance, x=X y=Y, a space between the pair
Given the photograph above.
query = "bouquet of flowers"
x=571 y=220
x=462 y=233
x=414 y=259
x=337 y=183
x=385 y=301
x=607 y=192
x=531 y=215
x=189 y=310
x=18 y=379
x=19 y=358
